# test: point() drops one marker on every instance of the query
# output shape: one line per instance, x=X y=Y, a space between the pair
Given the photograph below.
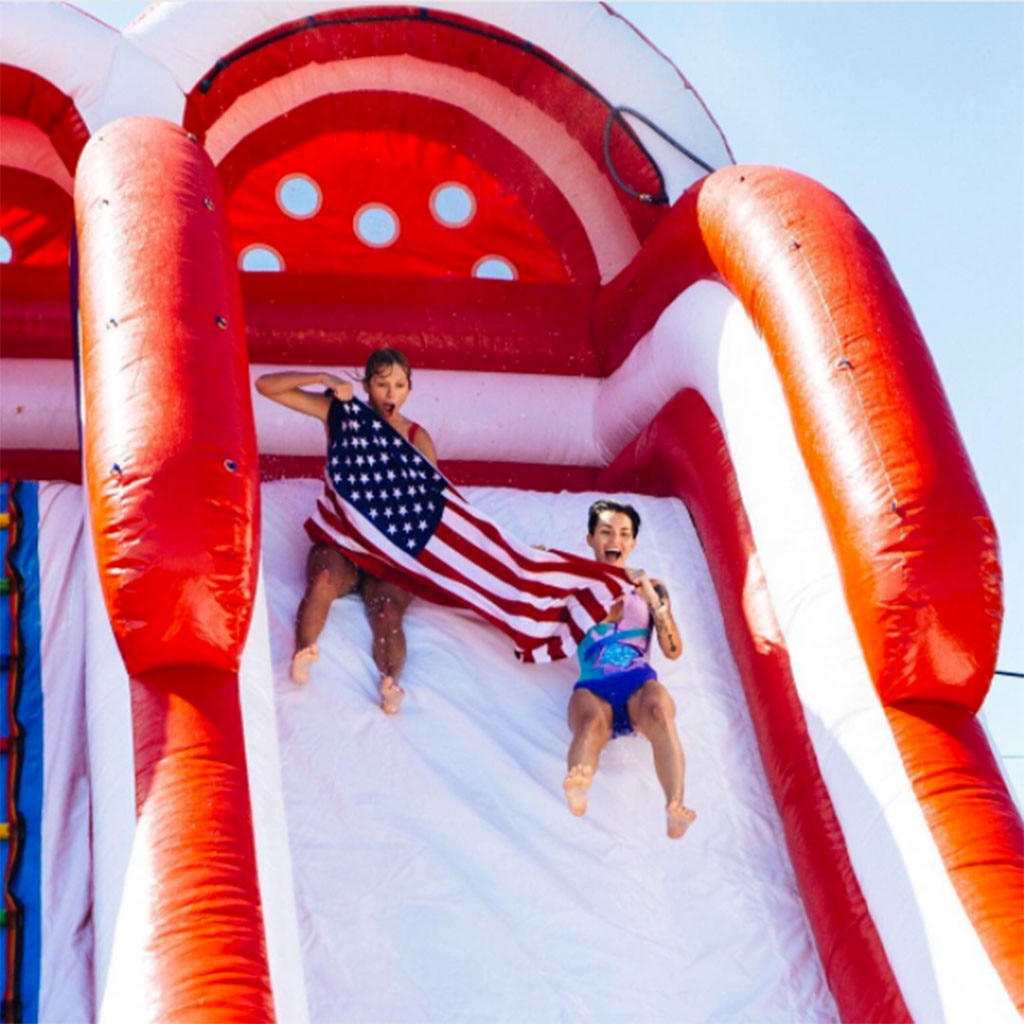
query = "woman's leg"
x=329 y=575
x=385 y=608
x=653 y=713
x=590 y=719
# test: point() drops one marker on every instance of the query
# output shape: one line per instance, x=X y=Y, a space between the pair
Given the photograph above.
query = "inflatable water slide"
x=537 y=207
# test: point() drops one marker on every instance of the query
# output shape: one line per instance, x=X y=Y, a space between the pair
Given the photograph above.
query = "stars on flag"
x=385 y=478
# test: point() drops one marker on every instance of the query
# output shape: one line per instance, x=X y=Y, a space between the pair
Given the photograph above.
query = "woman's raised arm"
x=286 y=388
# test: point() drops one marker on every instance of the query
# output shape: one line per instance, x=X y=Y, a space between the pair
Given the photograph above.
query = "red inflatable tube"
x=170 y=447
x=207 y=948
x=452 y=324
x=959 y=786
x=915 y=540
x=911 y=529
x=29 y=96
x=172 y=473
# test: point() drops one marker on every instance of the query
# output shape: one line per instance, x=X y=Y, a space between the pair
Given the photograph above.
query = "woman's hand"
x=341 y=389
x=656 y=595
x=642 y=583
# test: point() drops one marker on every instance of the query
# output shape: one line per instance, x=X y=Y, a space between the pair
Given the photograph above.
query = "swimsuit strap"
x=413 y=431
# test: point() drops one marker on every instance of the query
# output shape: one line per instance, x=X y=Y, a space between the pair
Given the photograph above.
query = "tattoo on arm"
x=669 y=635
x=666 y=626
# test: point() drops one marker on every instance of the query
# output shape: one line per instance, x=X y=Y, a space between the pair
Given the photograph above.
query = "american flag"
x=396 y=516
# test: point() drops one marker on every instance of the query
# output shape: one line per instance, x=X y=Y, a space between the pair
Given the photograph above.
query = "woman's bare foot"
x=576 y=784
x=302 y=662
x=391 y=695
x=680 y=818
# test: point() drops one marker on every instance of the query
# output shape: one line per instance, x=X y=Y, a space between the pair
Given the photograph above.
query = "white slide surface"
x=439 y=875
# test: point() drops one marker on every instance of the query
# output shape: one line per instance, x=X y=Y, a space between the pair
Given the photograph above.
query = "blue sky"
x=913 y=113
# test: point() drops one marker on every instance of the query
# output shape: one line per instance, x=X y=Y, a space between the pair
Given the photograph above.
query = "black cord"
x=1014 y=675
x=615 y=115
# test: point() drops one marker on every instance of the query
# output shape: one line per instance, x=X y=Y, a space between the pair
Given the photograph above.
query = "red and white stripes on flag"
x=544 y=600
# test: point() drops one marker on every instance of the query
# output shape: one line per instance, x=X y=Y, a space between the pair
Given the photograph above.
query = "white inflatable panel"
x=109 y=76
x=270 y=830
x=681 y=351
x=138 y=85
x=37 y=404
x=66 y=953
x=112 y=776
x=27 y=41
x=504 y=417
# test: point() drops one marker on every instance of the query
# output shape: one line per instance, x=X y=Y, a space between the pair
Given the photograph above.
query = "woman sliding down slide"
x=330 y=574
x=618 y=691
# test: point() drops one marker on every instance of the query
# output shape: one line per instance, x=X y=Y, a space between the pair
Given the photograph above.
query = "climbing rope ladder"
x=20 y=762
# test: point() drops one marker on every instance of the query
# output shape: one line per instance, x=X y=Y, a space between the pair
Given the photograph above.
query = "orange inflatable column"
x=171 y=472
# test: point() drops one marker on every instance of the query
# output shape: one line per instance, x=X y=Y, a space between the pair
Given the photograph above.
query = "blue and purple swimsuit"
x=613 y=659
